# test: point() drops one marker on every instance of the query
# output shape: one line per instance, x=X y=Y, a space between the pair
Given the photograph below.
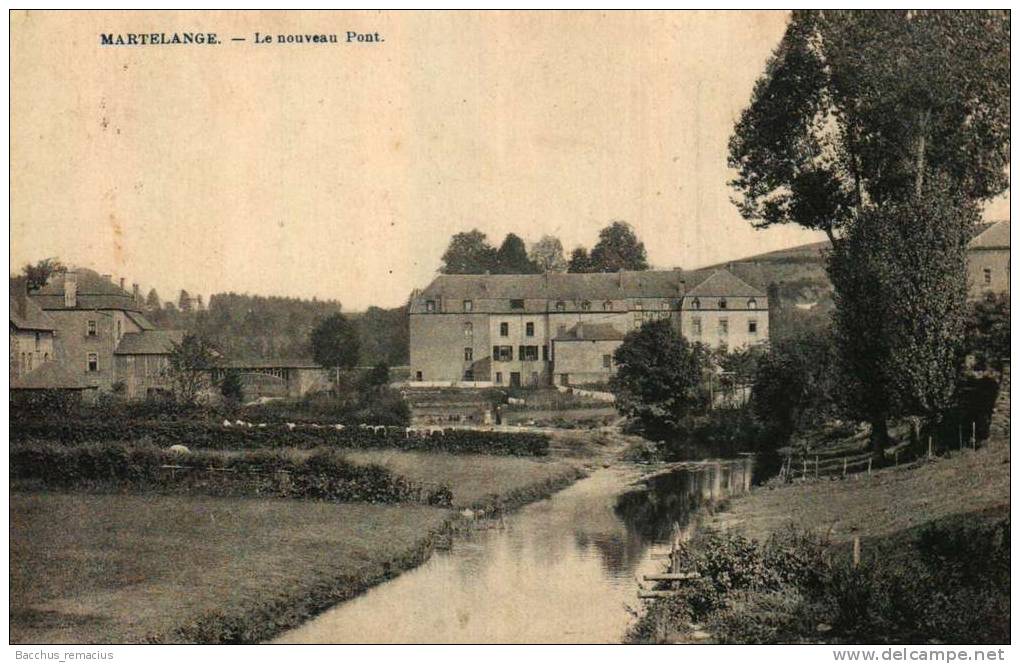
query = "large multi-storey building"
x=563 y=328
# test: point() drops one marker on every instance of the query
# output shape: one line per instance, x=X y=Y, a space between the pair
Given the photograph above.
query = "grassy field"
x=475 y=479
x=890 y=500
x=127 y=568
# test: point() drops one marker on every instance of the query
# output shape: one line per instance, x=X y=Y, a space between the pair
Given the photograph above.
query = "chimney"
x=137 y=293
x=122 y=283
x=70 y=289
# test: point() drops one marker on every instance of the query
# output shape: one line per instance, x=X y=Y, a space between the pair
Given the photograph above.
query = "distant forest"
x=257 y=327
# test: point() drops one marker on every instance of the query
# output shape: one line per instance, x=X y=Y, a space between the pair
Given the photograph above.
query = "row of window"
x=506 y=353
x=723 y=328
x=28 y=359
x=722 y=303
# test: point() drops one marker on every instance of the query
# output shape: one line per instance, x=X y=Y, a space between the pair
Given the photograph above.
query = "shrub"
x=322 y=475
x=207 y=435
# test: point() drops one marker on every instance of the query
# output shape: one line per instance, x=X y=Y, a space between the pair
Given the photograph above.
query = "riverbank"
x=776 y=564
x=132 y=568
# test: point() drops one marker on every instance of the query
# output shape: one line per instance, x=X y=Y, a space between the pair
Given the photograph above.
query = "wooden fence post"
x=973 y=434
x=896 y=457
x=959 y=435
x=929 y=447
x=857 y=549
x=869 y=466
x=804 y=474
x=816 y=466
x=844 y=467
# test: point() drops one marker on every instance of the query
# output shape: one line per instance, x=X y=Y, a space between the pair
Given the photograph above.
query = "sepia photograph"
x=510 y=327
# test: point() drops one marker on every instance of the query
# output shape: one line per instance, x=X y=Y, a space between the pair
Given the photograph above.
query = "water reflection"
x=562 y=570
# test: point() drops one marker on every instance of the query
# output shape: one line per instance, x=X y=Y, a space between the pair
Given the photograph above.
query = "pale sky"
x=341 y=170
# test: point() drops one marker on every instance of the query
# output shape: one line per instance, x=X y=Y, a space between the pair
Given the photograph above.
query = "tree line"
x=618 y=248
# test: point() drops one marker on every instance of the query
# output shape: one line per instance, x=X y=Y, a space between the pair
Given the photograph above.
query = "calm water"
x=563 y=570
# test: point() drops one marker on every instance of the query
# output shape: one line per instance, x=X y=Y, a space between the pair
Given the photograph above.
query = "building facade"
x=554 y=328
x=988 y=261
x=31 y=337
x=100 y=334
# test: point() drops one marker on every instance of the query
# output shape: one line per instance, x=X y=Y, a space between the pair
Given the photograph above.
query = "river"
x=562 y=570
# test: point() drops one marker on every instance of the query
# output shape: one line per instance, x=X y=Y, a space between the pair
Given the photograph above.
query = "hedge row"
x=321 y=475
x=206 y=435
x=214 y=436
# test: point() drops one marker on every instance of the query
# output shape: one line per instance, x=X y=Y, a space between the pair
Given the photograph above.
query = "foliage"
x=152 y=301
x=273 y=434
x=659 y=377
x=376 y=378
x=858 y=108
x=547 y=254
x=188 y=366
x=795 y=385
x=334 y=343
x=580 y=261
x=949 y=582
x=37 y=275
x=230 y=387
x=618 y=249
x=900 y=290
x=468 y=253
x=512 y=257
x=321 y=475
x=987 y=329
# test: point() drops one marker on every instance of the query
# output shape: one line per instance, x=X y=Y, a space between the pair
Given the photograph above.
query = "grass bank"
x=776 y=566
x=478 y=480
x=137 y=568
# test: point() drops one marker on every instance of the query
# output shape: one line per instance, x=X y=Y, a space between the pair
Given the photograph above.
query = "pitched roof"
x=140 y=320
x=591 y=332
x=149 y=342
x=724 y=283
x=492 y=292
x=94 y=292
x=51 y=376
x=994 y=237
x=26 y=315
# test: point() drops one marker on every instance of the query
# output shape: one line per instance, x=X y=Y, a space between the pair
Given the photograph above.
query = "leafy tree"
x=230 y=387
x=38 y=274
x=512 y=257
x=184 y=301
x=580 y=261
x=469 y=253
x=863 y=125
x=547 y=254
x=987 y=329
x=152 y=301
x=856 y=108
x=795 y=385
x=334 y=343
x=188 y=367
x=900 y=299
x=376 y=378
x=618 y=249
x=659 y=377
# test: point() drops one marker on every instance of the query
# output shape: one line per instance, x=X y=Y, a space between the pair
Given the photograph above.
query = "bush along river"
x=562 y=570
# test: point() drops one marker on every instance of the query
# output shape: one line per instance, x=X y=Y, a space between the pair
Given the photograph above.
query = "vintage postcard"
x=510 y=327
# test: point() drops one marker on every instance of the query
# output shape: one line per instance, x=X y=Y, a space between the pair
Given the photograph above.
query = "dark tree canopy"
x=512 y=257
x=900 y=293
x=38 y=274
x=334 y=342
x=618 y=249
x=152 y=300
x=861 y=107
x=659 y=377
x=580 y=261
x=468 y=253
x=188 y=366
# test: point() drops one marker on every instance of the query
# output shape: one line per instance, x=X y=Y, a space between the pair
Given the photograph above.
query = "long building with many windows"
x=555 y=328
